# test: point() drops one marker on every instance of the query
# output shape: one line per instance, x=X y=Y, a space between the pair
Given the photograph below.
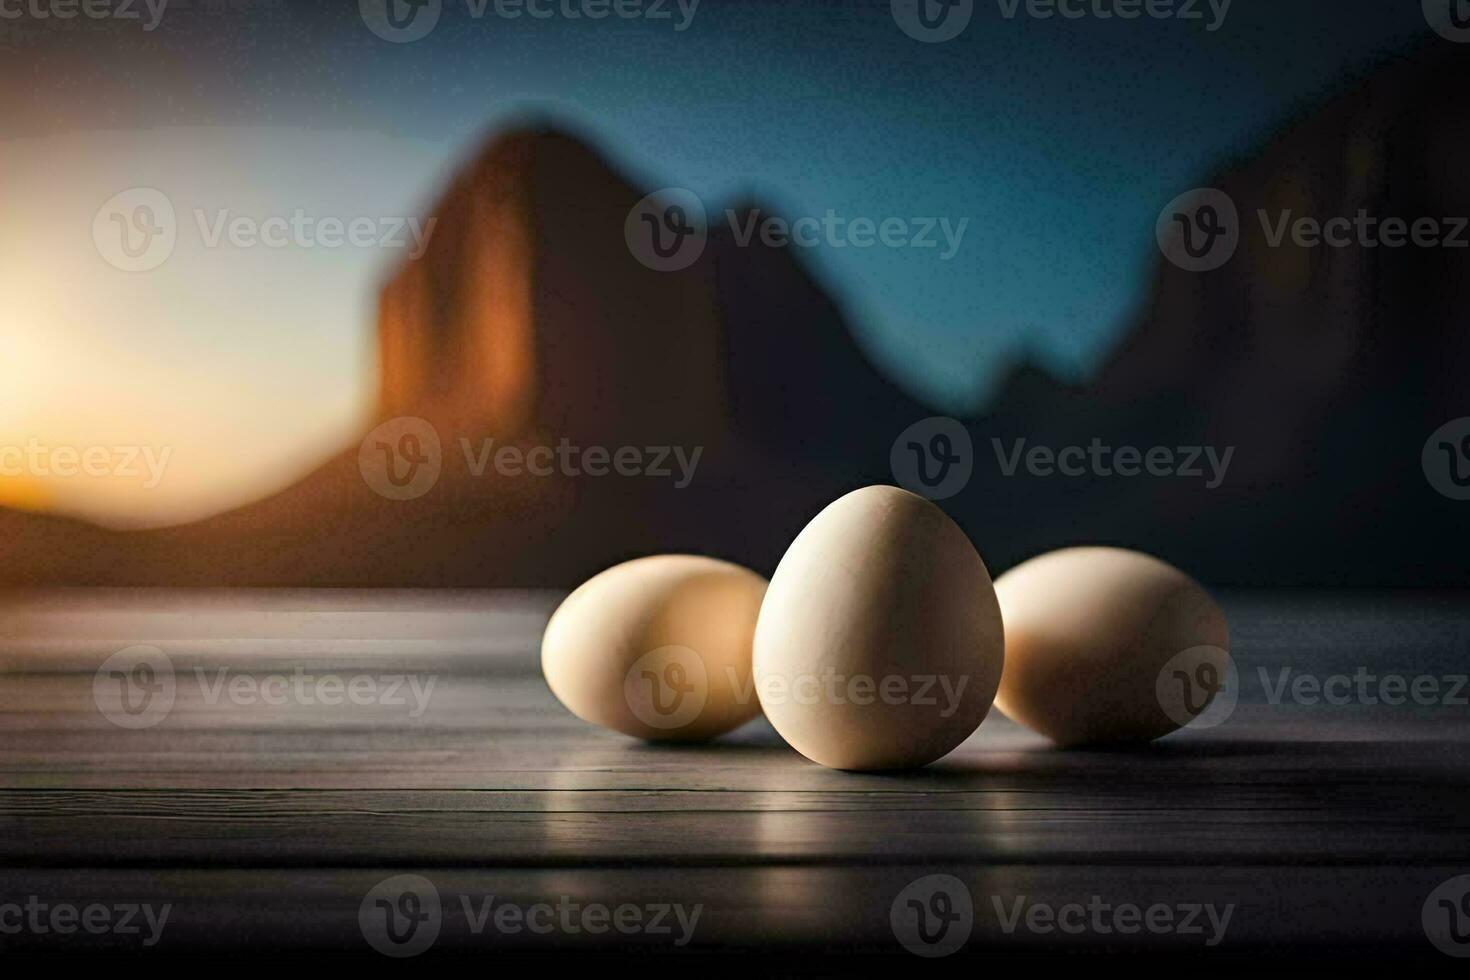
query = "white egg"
x=658 y=647
x=1108 y=645
x=880 y=642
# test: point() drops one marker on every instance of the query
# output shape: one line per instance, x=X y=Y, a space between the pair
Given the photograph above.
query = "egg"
x=658 y=647
x=880 y=643
x=1107 y=645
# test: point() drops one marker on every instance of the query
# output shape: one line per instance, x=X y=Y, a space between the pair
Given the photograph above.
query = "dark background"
x=1325 y=370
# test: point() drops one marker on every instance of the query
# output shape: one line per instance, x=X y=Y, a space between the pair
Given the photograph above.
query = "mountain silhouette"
x=531 y=321
x=1326 y=368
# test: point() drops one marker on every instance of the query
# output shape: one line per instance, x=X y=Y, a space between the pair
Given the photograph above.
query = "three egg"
x=1105 y=645
x=658 y=648
x=881 y=642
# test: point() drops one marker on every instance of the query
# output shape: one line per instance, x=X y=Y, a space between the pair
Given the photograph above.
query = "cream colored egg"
x=1107 y=645
x=880 y=643
x=657 y=647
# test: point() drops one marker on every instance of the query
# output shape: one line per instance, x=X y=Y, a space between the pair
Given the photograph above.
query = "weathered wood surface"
x=1326 y=827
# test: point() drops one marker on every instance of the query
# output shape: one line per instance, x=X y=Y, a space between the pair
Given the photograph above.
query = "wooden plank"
x=1367 y=915
x=1326 y=825
x=224 y=831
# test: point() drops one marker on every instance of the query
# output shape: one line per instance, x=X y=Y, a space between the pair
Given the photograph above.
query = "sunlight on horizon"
x=232 y=368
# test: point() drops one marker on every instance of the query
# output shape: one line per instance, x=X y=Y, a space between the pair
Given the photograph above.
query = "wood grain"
x=1325 y=826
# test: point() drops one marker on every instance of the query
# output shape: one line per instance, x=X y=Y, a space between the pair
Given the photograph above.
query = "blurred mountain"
x=1326 y=368
x=531 y=321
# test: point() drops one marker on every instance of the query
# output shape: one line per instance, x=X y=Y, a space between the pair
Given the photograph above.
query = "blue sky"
x=1055 y=141
x=1059 y=141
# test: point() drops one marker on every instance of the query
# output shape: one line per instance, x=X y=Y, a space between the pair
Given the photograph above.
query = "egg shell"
x=1089 y=632
x=881 y=588
x=658 y=647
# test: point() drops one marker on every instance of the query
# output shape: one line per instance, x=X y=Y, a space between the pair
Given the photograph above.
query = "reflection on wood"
x=267 y=819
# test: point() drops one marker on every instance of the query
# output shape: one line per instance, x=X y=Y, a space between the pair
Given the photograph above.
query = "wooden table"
x=264 y=819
